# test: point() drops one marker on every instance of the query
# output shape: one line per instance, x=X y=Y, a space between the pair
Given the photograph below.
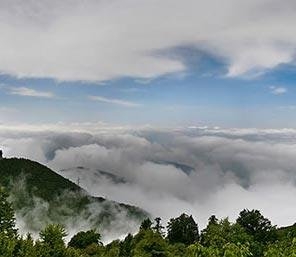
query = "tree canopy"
x=183 y=230
x=251 y=235
x=257 y=225
x=83 y=239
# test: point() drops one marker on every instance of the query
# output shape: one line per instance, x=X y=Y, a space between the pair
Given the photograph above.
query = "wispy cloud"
x=278 y=90
x=25 y=91
x=114 y=101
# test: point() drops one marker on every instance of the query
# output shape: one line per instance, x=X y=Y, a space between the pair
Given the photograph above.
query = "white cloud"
x=232 y=169
x=25 y=91
x=102 y=40
x=278 y=90
x=114 y=101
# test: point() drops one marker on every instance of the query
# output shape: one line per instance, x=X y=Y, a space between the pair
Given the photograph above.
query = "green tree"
x=71 y=252
x=146 y=224
x=236 y=250
x=126 y=246
x=7 y=219
x=260 y=228
x=151 y=244
x=83 y=239
x=52 y=241
x=158 y=226
x=213 y=220
x=223 y=232
x=24 y=247
x=284 y=248
x=197 y=250
x=112 y=249
x=257 y=225
x=177 y=250
x=183 y=230
x=7 y=245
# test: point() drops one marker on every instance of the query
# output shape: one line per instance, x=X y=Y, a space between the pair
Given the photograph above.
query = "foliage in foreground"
x=251 y=235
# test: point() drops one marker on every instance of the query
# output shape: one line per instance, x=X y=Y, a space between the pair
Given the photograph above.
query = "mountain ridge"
x=38 y=193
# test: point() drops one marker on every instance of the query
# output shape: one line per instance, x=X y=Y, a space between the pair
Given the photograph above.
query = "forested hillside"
x=41 y=196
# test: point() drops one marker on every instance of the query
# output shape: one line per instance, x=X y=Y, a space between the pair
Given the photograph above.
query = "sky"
x=165 y=63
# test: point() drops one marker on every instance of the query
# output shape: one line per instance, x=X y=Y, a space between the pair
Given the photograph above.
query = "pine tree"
x=158 y=227
x=146 y=224
x=183 y=230
x=7 y=219
x=52 y=241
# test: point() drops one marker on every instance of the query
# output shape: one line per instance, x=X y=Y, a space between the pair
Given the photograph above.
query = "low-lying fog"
x=200 y=171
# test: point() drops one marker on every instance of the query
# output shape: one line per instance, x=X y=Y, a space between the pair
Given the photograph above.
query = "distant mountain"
x=41 y=196
x=183 y=167
x=77 y=173
x=93 y=176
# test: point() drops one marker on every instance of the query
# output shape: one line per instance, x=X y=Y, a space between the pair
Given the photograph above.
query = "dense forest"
x=251 y=235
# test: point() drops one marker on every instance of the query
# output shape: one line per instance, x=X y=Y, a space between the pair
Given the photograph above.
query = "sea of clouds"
x=200 y=171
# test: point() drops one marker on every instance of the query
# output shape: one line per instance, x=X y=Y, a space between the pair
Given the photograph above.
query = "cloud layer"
x=200 y=171
x=102 y=40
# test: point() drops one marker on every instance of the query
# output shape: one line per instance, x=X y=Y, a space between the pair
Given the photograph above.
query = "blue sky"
x=190 y=99
x=164 y=73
